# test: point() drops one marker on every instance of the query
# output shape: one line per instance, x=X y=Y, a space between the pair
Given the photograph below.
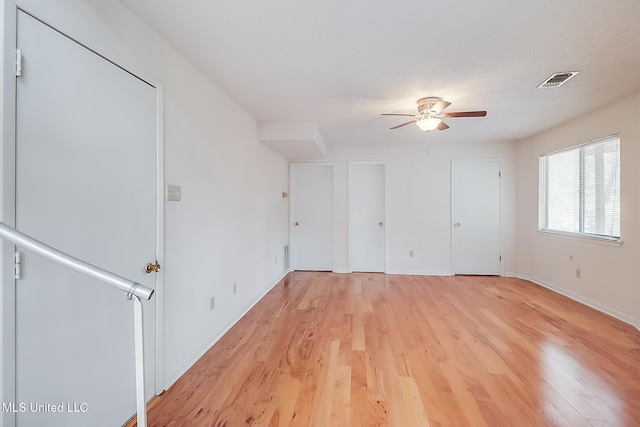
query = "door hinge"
x=18 y=62
x=17 y=269
x=500 y=257
x=500 y=174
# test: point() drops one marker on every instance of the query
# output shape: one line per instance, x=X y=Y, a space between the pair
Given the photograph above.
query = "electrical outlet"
x=578 y=273
x=212 y=303
x=235 y=288
x=173 y=193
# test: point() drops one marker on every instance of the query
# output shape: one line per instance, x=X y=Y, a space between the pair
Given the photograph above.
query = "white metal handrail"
x=20 y=239
x=132 y=289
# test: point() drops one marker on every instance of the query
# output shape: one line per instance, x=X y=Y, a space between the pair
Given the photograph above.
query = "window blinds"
x=580 y=189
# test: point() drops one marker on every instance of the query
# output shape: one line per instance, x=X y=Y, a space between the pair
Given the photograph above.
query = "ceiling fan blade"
x=439 y=106
x=403 y=124
x=443 y=126
x=398 y=114
x=465 y=114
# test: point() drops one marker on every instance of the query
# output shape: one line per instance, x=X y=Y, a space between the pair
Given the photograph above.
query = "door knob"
x=150 y=268
x=296 y=223
x=380 y=224
x=457 y=224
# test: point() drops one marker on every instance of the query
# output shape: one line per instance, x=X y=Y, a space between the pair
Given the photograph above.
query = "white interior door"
x=367 y=217
x=85 y=184
x=311 y=216
x=476 y=216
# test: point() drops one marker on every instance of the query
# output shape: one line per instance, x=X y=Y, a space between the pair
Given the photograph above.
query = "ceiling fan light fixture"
x=430 y=114
x=428 y=123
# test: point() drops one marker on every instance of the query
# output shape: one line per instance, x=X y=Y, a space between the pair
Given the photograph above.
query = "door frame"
x=452 y=218
x=386 y=210
x=8 y=88
x=292 y=249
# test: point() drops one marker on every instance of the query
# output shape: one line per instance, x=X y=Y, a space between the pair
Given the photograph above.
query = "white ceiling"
x=342 y=63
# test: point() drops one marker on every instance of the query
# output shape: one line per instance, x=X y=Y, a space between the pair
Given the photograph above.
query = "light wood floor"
x=324 y=349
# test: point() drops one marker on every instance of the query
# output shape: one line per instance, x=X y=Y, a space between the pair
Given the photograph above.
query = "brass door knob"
x=380 y=224
x=150 y=268
x=296 y=223
x=457 y=224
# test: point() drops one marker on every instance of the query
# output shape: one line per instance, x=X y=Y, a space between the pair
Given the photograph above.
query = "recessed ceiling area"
x=341 y=64
x=295 y=141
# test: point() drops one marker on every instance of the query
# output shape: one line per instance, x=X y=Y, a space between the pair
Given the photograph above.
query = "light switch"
x=173 y=193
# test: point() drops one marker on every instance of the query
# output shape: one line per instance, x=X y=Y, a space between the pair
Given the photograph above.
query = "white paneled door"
x=311 y=216
x=86 y=184
x=367 y=222
x=476 y=217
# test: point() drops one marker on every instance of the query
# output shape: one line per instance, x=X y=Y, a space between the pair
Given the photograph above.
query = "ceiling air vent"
x=558 y=79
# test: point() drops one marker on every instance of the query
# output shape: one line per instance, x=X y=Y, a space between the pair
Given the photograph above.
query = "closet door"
x=311 y=216
x=367 y=223
x=476 y=217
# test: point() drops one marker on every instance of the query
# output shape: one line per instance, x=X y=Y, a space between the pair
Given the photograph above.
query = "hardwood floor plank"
x=375 y=381
x=324 y=393
x=565 y=409
x=341 y=404
x=325 y=349
x=463 y=395
x=431 y=382
x=283 y=414
x=412 y=407
x=359 y=391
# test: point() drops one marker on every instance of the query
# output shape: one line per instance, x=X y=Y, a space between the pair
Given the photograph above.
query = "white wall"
x=232 y=222
x=419 y=201
x=609 y=277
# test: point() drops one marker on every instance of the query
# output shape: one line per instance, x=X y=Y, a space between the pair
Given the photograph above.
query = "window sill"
x=582 y=238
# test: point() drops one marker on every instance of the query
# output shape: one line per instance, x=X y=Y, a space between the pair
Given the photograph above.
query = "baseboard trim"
x=420 y=273
x=175 y=375
x=133 y=422
x=583 y=300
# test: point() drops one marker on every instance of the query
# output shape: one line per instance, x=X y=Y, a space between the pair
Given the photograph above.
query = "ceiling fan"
x=430 y=114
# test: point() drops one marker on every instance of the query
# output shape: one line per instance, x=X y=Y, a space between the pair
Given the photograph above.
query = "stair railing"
x=135 y=291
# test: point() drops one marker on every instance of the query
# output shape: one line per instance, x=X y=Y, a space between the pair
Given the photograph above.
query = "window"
x=580 y=189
